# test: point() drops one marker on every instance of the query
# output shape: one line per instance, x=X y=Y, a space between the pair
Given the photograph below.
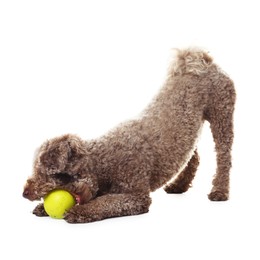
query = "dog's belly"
x=174 y=158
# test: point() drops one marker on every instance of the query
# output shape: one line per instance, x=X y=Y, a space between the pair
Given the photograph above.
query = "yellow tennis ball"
x=57 y=202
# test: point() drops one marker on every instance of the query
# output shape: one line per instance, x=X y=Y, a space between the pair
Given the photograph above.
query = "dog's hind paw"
x=218 y=196
x=174 y=189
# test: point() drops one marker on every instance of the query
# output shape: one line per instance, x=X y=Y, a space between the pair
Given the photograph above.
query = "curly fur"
x=191 y=61
x=114 y=175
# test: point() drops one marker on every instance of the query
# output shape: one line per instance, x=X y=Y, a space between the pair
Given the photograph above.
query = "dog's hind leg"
x=183 y=181
x=220 y=117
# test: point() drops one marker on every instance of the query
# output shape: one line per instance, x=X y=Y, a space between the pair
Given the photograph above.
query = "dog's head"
x=61 y=163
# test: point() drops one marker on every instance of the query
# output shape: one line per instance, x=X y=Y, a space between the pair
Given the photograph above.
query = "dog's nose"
x=26 y=193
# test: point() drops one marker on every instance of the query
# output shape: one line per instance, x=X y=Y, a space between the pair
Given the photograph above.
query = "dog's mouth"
x=79 y=190
x=82 y=195
x=33 y=195
x=77 y=198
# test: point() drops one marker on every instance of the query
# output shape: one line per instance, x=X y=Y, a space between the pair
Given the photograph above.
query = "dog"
x=113 y=175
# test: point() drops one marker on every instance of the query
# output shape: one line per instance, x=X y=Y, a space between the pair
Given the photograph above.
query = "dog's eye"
x=62 y=177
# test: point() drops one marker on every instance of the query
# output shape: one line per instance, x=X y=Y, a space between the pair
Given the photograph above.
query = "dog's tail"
x=190 y=61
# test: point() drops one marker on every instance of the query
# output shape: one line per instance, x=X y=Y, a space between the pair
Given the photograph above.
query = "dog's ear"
x=77 y=149
x=77 y=155
x=53 y=155
x=60 y=155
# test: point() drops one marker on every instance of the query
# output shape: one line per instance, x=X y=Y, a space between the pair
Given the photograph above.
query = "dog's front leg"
x=108 y=206
x=39 y=211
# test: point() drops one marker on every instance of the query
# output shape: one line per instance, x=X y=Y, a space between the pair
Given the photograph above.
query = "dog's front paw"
x=39 y=211
x=79 y=214
x=218 y=196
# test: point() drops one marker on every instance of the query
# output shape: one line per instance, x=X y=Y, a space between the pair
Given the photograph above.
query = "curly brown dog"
x=113 y=175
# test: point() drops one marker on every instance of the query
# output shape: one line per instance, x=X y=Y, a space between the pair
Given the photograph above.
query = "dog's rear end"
x=220 y=96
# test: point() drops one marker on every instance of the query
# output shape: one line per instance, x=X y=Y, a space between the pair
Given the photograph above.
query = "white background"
x=82 y=67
